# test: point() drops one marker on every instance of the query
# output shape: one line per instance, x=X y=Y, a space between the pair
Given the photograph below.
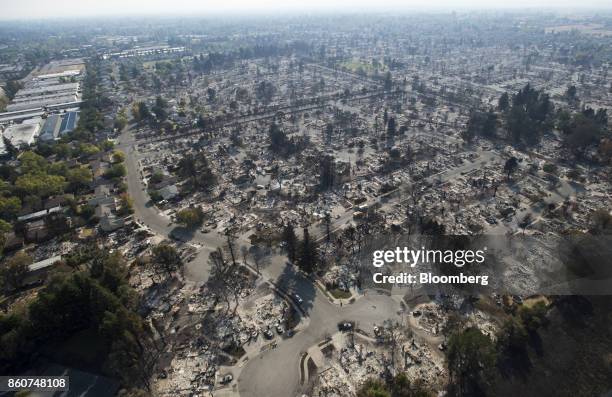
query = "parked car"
x=345 y=326
x=268 y=334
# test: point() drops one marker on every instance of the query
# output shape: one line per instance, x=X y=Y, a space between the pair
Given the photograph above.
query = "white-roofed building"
x=44 y=263
x=23 y=134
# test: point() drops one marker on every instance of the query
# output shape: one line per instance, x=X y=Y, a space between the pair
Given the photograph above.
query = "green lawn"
x=339 y=294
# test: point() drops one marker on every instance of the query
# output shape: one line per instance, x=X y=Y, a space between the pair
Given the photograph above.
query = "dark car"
x=268 y=334
x=345 y=326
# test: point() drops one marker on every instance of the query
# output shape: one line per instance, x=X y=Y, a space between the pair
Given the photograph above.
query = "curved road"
x=195 y=271
x=275 y=373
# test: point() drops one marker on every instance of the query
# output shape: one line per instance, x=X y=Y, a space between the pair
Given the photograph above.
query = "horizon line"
x=306 y=12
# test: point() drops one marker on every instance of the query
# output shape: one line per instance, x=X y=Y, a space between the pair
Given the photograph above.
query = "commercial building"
x=23 y=134
x=50 y=130
x=69 y=122
x=144 y=51
x=53 y=90
x=54 y=86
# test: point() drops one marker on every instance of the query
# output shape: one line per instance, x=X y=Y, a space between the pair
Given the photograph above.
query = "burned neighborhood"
x=204 y=206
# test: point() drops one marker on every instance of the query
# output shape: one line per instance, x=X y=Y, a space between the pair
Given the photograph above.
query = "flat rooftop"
x=22 y=134
x=39 y=103
x=47 y=89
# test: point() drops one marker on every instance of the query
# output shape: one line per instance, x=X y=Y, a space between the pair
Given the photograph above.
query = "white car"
x=227 y=379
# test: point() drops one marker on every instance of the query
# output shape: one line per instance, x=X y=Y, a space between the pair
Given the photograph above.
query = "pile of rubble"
x=430 y=317
x=52 y=248
x=350 y=367
x=340 y=277
x=191 y=371
x=484 y=322
x=268 y=309
x=424 y=364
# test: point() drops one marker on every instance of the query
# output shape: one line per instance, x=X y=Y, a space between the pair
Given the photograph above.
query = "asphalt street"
x=276 y=373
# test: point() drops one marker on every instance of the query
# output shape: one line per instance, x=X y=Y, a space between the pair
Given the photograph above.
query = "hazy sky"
x=18 y=9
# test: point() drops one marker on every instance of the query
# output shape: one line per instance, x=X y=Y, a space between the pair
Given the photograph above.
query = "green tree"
x=100 y=300
x=14 y=337
x=534 y=317
x=190 y=217
x=79 y=178
x=156 y=177
x=528 y=116
x=107 y=145
x=196 y=170
x=115 y=171
x=121 y=121
x=581 y=132
x=471 y=357
x=504 y=102
x=32 y=163
x=9 y=207
x=63 y=150
x=510 y=166
x=391 y=127
x=326 y=171
x=512 y=337
x=308 y=254
x=5 y=228
x=480 y=124
x=40 y=185
x=278 y=139
x=570 y=93
x=126 y=205
x=87 y=149
x=291 y=241
x=110 y=270
x=160 y=109
x=400 y=386
x=549 y=168
x=140 y=111
x=11 y=88
x=118 y=156
x=155 y=196
x=167 y=257
x=373 y=388
x=563 y=121
x=14 y=271
x=58 y=168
